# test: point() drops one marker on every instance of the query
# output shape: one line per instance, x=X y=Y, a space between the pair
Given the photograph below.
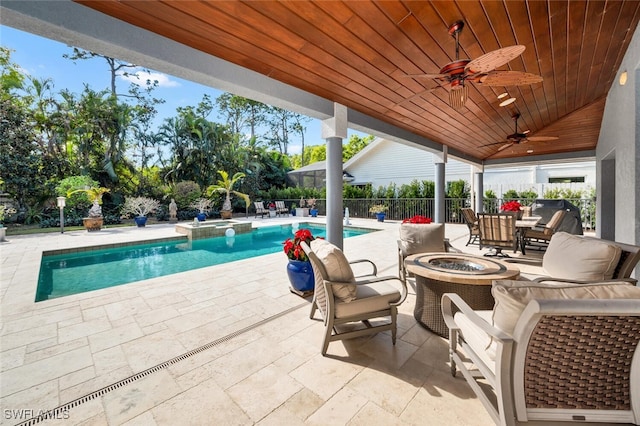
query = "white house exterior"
x=384 y=162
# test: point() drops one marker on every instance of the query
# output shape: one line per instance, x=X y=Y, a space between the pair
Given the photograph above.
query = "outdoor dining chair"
x=498 y=231
x=471 y=220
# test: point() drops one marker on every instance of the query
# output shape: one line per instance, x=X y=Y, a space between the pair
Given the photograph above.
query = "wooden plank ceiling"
x=359 y=53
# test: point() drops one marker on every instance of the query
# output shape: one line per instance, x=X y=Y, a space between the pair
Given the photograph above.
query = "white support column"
x=479 y=188
x=334 y=130
x=440 y=160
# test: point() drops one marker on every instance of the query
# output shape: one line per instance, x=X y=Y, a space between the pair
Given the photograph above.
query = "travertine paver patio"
x=263 y=364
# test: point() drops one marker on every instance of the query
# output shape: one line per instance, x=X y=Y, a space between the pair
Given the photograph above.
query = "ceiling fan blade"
x=510 y=78
x=494 y=59
x=426 y=75
x=494 y=143
x=417 y=95
x=505 y=146
x=542 y=138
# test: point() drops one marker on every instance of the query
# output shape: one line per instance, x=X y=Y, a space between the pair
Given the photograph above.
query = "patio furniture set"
x=564 y=347
x=506 y=231
x=278 y=209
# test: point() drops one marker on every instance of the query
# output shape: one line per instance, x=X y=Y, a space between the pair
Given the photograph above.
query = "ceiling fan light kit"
x=507 y=102
x=481 y=70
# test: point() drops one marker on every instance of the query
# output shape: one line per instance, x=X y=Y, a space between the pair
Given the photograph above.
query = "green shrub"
x=185 y=193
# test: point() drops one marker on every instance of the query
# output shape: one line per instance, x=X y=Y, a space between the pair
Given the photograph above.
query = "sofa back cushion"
x=338 y=269
x=421 y=238
x=511 y=297
x=576 y=258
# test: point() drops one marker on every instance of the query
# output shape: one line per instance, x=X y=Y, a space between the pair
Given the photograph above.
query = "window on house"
x=566 y=179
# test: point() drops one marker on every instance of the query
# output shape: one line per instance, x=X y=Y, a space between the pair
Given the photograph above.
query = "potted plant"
x=311 y=202
x=203 y=205
x=94 y=219
x=293 y=209
x=299 y=268
x=140 y=207
x=225 y=185
x=272 y=209
x=4 y=212
x=302 y=211
x=512 y=206
x=380 y=210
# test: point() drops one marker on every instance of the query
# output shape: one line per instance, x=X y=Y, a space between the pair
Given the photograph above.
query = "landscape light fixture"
x=61 y=204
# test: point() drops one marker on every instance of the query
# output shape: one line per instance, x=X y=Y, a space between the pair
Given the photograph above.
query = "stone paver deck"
x=261 y=361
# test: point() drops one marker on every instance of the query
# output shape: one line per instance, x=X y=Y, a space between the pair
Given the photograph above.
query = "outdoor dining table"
x=521 y=227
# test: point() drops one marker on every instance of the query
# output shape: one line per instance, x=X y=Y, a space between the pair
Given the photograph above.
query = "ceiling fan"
x=456 y=74
x=517 y=138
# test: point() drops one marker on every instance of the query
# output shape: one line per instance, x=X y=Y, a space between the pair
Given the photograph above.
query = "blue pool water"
x=78 y=272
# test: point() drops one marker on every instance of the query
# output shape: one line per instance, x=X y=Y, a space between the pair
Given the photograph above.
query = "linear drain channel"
x=58 y=412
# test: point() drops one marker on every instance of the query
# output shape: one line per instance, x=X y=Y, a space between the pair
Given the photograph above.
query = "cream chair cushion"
x=511 y=297
x=573 y=257
x=338 y=269
x=370 y=298
x=421 y=238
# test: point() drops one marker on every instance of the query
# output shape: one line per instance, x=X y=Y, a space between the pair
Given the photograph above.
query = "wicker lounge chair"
x=260 y=210
x=471 y=220
x=343 y=298
x=551 y=355
x=579 y=258
x=420 y=238
x=498 y=231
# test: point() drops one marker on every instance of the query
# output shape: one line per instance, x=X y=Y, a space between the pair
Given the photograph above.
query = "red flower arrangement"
x=272 y=206
x=511 y=206
x=418 y=219
x=292 y=247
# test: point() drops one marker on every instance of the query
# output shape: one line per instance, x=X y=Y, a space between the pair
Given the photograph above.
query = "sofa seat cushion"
x=576 y=258
x=369 y=298
x=421 y=238
x=338 y=269
x=511 y=297
x=478 y=340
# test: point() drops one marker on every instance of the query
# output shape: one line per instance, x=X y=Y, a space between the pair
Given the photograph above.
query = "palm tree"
x=225 y=185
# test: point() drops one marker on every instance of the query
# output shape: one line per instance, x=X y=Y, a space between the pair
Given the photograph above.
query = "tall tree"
x=241 y=113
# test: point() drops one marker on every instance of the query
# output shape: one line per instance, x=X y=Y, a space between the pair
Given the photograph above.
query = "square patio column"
x=334 y=130
x=440 y=159
x=478 y=188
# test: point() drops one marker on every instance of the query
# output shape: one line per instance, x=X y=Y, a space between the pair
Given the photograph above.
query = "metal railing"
x=402 y=208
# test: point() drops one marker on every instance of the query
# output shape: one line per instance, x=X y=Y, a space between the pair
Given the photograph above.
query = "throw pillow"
x=338 y=269
x=421 y=238
x=575 y=258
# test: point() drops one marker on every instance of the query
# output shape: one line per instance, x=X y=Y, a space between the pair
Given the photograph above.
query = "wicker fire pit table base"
x=467 y=275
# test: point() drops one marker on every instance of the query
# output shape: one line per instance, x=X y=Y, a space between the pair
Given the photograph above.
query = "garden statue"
x=173 y=211
x=95 y=210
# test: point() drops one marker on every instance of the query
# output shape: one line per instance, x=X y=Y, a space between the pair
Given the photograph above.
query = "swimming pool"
x=72 y=273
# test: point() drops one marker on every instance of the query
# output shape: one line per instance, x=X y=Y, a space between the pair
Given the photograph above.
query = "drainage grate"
x=62 y=410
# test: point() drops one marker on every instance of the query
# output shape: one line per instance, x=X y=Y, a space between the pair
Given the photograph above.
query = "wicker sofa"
x=550 y=353
x=575 y=257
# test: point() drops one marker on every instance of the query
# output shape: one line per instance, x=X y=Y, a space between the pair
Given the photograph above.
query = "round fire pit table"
x=467 y=275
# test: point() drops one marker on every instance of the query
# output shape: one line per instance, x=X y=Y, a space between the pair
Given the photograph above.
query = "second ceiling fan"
x=517 y=138
x=455 y=75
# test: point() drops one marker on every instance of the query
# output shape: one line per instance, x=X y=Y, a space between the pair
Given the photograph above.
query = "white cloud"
x=140 y=78
x=294 y=149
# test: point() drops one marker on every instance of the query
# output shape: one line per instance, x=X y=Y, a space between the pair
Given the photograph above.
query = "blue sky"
x=42 y=58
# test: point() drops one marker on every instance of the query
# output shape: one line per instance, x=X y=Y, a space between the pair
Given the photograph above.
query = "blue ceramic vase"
x=300 y=275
